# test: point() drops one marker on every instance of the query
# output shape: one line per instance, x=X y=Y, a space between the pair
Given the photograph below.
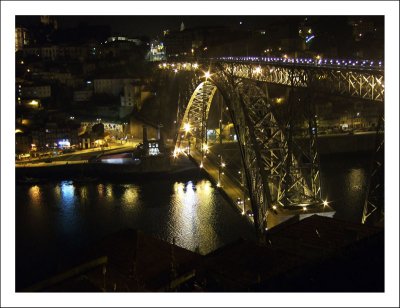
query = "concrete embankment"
x=148 y=165
x=149 y=168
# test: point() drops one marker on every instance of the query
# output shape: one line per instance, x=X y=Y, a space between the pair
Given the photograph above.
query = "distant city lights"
x=64 y=143
x=309 y=38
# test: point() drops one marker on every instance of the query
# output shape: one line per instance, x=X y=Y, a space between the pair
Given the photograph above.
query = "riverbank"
x=148 y=167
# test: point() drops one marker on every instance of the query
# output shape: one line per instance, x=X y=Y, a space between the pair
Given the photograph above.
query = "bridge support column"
x=374 y=197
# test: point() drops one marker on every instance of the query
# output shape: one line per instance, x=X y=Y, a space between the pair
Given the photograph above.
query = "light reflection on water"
x=83 y=193
x=67 y=217
x=356 y=179
x=67 y=193
x=343 y=182
x=191 y=212
x=130 y=196
x=109 y=192
x=34 y=195
x=192 y=205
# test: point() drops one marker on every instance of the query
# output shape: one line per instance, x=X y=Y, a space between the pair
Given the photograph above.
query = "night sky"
x=154 y=25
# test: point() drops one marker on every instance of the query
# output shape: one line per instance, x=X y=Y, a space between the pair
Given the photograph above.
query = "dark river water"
x=57 y=219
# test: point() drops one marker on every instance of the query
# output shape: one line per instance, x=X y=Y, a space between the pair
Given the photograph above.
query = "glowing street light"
x=195 y=65
x=186 y=127
x=207 y=75
x=325 y=203
x=257 y=70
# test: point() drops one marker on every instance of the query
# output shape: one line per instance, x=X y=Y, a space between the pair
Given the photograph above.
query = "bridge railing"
x=308 y=62
x=349 y=64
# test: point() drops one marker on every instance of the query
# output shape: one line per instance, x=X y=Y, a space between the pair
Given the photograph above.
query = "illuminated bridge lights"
x=356 y=78
x=318 y=61
x=315 y=61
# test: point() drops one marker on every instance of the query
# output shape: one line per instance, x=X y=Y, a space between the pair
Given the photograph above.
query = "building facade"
x=54 y=138
x=36 y=91
x=112 y=86
x=21 y=38
x=83 y=95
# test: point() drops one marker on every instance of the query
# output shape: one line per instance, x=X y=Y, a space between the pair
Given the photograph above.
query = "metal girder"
x=347 y=81
x=374 y=198
x=361 y=84
x=196 y=112
x=365 y=85
x=256 y=177
x=263 y=145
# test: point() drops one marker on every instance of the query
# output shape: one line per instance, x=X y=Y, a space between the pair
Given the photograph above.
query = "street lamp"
x=207 y=75
x=186 y=127
x=257 y=70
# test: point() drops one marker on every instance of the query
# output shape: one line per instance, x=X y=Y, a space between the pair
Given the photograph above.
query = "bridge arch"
x=274 y=178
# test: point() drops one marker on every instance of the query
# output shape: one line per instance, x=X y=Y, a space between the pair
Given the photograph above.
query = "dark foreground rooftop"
x=311 y=255
x=315 y=254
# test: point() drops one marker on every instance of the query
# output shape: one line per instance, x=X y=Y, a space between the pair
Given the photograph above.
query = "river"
x=55 y=220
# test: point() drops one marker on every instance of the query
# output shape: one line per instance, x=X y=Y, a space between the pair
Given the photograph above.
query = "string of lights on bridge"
x=319 y=62
x=306 y=61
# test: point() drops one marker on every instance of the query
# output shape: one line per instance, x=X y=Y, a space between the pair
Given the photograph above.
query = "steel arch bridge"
x=275 y=174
